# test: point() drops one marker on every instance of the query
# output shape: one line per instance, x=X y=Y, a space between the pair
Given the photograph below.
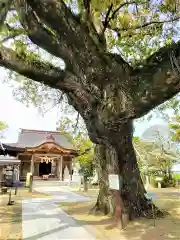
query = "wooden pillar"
x=60 y=168
x=18 y=172
x=71 y=167
x=32 y=164
x=20 y=166
x=57 y=168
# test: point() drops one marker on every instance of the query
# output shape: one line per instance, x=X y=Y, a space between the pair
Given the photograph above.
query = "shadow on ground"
x=10 y=220
x=143 y=229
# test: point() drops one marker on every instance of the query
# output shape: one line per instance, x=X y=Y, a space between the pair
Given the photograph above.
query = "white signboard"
x=158 y=179
x=113 y=181
x=76 y=179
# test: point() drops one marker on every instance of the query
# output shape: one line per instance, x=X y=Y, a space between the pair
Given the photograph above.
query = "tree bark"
x=105 y=200
x=121 y=160
x=4 y=8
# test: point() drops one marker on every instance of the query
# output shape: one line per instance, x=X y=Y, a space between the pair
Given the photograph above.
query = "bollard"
x=10 y=202
x=15 y=192
x=159 y=185
x=30 y=183
x=152 y=206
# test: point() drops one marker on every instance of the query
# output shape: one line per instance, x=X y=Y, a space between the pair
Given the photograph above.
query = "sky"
x=18 y=116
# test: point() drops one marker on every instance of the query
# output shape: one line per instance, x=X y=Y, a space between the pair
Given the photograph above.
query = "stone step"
x=45 y=183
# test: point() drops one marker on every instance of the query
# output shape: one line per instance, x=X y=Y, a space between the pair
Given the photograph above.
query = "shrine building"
x=42 y=153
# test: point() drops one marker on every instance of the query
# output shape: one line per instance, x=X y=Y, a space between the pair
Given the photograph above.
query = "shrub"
x=176 y=176
x=168 y=181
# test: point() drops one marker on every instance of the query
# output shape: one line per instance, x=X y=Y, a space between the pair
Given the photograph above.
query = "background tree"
x=175 y=128
x=78 y=136
x=107 y=89
x=156 y=157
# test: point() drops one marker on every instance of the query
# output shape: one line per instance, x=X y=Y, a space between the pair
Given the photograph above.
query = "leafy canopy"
x=135 y=29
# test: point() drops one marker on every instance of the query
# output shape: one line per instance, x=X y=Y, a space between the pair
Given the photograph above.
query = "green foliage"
x=86 y=152
x=3 y=126
x=176 y=176
x=175 y=128
x=168 y=181
x=154 y=157
x=85 y=158
x=135 y=29
x=77 y=135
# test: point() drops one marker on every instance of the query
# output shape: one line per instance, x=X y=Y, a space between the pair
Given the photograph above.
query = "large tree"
x=107 y=89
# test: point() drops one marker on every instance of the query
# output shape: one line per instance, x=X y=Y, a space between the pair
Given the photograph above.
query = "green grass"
x=176 y=176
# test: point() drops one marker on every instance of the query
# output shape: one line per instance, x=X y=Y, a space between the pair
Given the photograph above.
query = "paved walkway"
x=43 y=220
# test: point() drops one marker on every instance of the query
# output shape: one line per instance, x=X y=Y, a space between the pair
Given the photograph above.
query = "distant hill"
x=152 y=132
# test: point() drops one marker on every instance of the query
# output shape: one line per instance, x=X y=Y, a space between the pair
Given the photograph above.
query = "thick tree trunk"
x=131 y=197
x=105 y=200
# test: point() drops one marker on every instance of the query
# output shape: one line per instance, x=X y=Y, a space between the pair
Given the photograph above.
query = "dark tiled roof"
x=10 y=147
x=32 y=138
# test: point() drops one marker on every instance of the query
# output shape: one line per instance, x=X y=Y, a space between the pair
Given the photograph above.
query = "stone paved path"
x=43 y=220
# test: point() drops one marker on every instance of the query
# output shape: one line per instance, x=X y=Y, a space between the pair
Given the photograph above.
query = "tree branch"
x=97 y=35
x=87 y=4
x=13 y=33
x=37 y=31
x=77 y=122
x=4 y=8
x=118 y=30
x=36 y=70
x=158 y=80
x=57 y=16
x=107 y=18
x=47 y=74
x=107 y=21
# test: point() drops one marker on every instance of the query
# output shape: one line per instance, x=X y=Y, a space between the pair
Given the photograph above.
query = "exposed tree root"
x=149 y=211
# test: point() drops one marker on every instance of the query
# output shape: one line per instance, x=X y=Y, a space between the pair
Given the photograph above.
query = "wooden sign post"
x=115 y=184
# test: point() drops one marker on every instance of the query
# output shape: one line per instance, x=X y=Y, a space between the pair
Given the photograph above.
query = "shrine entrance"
x=47 y=160
x=44 y=168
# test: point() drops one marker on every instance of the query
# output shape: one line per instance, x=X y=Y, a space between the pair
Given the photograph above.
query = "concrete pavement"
x=43 y=220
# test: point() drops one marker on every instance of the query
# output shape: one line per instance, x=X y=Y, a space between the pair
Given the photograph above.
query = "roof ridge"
x=38 y=131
